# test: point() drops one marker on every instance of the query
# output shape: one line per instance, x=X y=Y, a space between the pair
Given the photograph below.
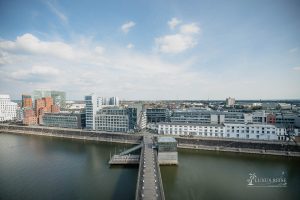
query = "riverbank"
x=274 y=148
x=240 y=150
x=73 y=134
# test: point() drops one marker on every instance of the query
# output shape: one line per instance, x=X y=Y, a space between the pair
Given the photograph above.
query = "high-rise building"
x=59 y=97
x=114 y=101
x=41 y=106
x=26 y=101
x=29 y=117
x=230 y=102
x=90 y=111
x=7 y=108
x=48 y=103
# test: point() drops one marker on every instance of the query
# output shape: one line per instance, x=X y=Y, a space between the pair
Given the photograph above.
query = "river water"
x=35 y=167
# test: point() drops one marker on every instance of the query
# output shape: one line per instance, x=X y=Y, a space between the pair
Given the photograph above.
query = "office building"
x=59 y=97
x=114 y=119
x=26 y=101
x=230 y=130
x=64 y=120
x=29 y=117
x=19 y=114
x=120 y=119
x=91 y=107
x=94 y=104
x=209 y=117
x=42 y=106
x=114 y=101
x=7 y=108
x=155 y=115
x=230 y=102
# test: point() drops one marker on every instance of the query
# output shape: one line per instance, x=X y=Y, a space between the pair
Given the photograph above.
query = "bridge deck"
x=149 y=184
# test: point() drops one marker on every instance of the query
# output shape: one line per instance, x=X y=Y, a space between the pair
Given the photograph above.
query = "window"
x=228 y=135
x=257 y=136
x=237 y=135
x=247 y=136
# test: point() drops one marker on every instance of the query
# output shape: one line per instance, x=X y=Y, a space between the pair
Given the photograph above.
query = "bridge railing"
x=161 y=188
x=138 y=194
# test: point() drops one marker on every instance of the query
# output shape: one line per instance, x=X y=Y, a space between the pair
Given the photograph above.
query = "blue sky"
x=248 y=49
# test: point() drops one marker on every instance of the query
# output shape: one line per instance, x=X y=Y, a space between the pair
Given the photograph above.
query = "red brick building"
x=55 y=109
x=29 y=117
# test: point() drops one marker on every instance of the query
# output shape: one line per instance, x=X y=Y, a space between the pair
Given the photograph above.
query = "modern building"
x=167 y=151
x=100 y=116
x=55 y=109
x=19 y=114
x=155 y=115
x=229 y=130
x=64 y=120
x=59 y=97
x=209 y=117
x=115 y=119
x=29 y=117
x=114 y=101
x=91 y=108
x=230 y=102
x=26 y=101
x=7 y=108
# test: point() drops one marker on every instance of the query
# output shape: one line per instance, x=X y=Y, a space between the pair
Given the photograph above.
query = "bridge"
x=149 y=183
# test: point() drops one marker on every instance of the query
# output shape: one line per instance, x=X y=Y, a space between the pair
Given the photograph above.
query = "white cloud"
x=176 y=43
x=30 y=43
x=110 y=70
x=189 y=29
x=130 y=46
x=186 y=38
x=173 y=22
x=296 y=68
x=92 y=68
x=127 y=26
x=41 y=73
x=99 y=50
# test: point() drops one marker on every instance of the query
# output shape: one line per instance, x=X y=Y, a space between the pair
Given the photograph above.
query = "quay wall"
x=250 y=147
x=72 y=133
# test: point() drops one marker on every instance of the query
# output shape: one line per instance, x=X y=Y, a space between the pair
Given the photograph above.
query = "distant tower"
x=114 y=101
x=230 y=102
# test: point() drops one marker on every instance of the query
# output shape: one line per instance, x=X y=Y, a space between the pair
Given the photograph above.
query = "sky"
x=151 y=50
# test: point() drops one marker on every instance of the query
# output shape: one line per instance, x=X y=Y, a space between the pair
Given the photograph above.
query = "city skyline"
x=151 y=50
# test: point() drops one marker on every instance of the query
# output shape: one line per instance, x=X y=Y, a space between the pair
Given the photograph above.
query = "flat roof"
x=189 y=124
x=166 y=139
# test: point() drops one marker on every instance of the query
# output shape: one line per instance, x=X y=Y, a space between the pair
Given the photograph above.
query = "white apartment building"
x=7 y=108
x=93 y=104
x=232 y=130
